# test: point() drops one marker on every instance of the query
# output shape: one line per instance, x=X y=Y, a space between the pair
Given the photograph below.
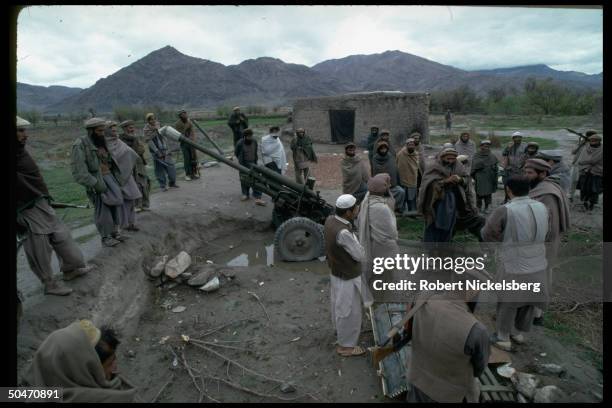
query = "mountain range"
x=168 y=78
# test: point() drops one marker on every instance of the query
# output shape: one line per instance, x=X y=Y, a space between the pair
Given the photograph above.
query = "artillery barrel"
x=175 y=135
x=269 y=174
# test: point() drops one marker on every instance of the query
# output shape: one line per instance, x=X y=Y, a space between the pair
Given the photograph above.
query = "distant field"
x=484 y=123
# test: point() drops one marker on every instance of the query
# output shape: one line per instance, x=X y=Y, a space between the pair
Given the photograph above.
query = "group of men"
x=451 y=189
x=444 y=190
x=271 y=153
x=528 y=226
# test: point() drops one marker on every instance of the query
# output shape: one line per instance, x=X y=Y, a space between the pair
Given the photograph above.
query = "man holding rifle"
x=37 y=222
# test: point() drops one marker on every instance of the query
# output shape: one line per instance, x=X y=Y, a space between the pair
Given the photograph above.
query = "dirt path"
x=295 y=345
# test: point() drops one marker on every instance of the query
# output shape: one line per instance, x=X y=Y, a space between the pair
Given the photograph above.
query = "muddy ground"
x=286 y=336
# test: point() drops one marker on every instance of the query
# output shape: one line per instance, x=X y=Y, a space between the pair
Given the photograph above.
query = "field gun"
x=299 y=212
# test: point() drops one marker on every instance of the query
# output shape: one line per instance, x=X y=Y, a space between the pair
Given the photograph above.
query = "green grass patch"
x=411 y=229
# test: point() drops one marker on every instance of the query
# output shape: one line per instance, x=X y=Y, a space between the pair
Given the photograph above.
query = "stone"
x=521 y=399
x=287 y=388
x=549 y=393
x=131 y=354
x=525 y=383
x=204 y=275
x=178 y=265
x=597 y=395
x=550 y=369
x=212 y=285
x=158 y=269
x=179 y=309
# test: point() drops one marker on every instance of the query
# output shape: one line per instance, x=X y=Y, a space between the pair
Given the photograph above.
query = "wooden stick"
x=210 y=343
x=248 y=390
x=244 y=368
x=227 y=324
x=162 y=389
x=193 y=378
x=260 y=303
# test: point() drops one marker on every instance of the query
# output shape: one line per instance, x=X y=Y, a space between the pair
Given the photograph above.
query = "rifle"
x=576 y=133
x=381 y=352
x=221 y=152
x=66 y=205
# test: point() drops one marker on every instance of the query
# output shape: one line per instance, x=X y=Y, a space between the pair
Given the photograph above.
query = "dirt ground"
x=286 y=335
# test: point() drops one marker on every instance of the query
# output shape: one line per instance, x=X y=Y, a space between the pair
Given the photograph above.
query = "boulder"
x=159 y=267
x=178 y=265
x=203 y=276
x=549 y=393
x=212 y=285
x=550 y=369
x=525 y=383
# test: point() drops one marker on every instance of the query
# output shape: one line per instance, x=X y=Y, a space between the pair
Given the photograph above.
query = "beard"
x=383 y=152
x=410 y=150
x=596 y=145
x=533 y=183
x=350 y=154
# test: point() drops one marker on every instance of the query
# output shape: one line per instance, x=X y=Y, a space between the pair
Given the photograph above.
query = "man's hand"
x=100 y=187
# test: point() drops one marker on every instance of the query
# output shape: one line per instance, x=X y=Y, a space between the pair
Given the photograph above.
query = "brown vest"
x=342 y=265
x=438 y=365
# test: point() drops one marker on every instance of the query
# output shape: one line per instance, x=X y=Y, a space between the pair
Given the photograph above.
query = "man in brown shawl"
x=408 y=168
x=531 y=151
x=377 y=228
x=445 y=199
x=238 y=122
x=465 y=146
x=355 y=173
x=190 y=158
x=303 y=155
x=126 y=160
x=384 y=162
x=95 y=169
x=41 y=231
x=140 y=171
x=81 y=359
x=484 y=172
x=591 y=172
x=246 y=151
x=547 y=190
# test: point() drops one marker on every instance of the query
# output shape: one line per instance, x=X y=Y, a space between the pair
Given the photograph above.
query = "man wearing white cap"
x=344 y=257
x=514 y=157
x=36 y=221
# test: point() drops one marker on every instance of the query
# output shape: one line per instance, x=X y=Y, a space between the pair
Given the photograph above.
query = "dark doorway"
x=342 y=124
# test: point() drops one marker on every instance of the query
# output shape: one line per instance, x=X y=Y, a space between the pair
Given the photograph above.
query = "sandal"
x=356 y=351
x=499 y=343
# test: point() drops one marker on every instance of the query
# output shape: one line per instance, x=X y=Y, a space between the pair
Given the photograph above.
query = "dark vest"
x=342 y=265
x=438 y=365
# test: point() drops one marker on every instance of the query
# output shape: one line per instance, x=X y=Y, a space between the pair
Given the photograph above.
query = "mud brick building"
x=339 y=119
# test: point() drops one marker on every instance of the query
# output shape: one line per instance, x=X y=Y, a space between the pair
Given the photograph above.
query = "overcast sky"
x=77 y=45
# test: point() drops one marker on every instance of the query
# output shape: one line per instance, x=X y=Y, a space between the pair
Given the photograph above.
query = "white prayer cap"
x=517 y=134
x=21 y=123
x=345 y=201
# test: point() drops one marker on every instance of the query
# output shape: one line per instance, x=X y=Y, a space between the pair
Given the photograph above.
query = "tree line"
x=538 y=96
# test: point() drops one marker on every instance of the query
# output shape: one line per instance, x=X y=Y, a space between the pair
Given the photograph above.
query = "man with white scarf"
x=377 y=228
x=126 y=160
x=344 y=256
x=273 y=152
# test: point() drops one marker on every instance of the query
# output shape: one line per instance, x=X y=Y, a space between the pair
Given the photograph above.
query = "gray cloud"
x=77 y=45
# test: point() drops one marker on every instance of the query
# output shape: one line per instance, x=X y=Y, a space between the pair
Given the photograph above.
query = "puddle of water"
x=254 y=253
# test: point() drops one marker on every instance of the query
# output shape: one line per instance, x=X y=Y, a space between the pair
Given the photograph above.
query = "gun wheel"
x=299 y=239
